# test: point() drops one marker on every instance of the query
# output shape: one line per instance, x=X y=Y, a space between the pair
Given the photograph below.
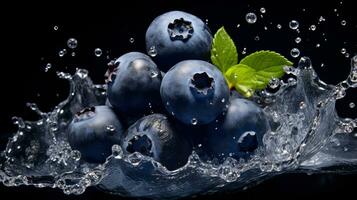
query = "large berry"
x=176 y=36
x=156 y=136
x=134 y=84
x=239 y=132
x=195 y=92
x=93 y=132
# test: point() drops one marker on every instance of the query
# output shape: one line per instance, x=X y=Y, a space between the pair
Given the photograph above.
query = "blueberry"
x=178 y=36
x=195 y=92
x=134 y=84
x=93 y=132
x=239 y=132
x=156 y=136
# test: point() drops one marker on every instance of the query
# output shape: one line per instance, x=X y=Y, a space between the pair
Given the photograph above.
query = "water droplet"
x=199 y=145
x=317 y=45
x=154 y=74
x=352 y=105
x=293 y=24
x=265 y=28
x=238 y=25
x=61 y=53
x=206 y=21
x=194 y=121
x=278 y=26
x=312 y=27
x=76 y=155
x=305 y=63
x=251 y=18
x=72 y=43
x=152 y=51
x=292 y=81
x=223 y=100
x=262 y=10
x=257 y=38
x=343 y=22
x=274 y=83
x=98 y=52
x=347 y=55
x=322 y=19
x=244 y=50
x=297 y=40
x=73 y=54
x=110 y=128
x=117 y=151
x=131 y=40
x=302 y=105
x=343 y=50
x=48 y=67
x=55 y=28
x=295 y=52
x=322 y=65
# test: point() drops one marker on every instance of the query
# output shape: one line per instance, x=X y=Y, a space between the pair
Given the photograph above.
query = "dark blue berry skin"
x=94 y=131
x=238 y=133
x=178 y=36
x=134 y=85
x=195 y=92
x=156 y=136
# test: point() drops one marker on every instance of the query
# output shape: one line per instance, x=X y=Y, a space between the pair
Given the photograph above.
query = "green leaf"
x=223 y=52
x=255 y=71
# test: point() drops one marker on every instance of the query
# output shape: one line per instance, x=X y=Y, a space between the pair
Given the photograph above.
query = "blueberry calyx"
x=85 y=114
x=202 y=83
x=248 y=142
x=141 y=144
x=180 y=29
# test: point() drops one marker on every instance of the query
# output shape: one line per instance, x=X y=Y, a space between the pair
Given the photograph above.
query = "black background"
x=29 y=42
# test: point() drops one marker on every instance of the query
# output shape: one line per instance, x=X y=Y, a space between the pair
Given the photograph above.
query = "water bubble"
x=312 y=27
x=244 y=50
x=343 y=50
x=238 y=25
x=293 y=24
x=131 y=40
x=317 y=45
x=73 y=54
x=274 y=83
x=98 y=52
x=55 y=28
x=322 y=65
x=194 y=121
x=302 y=105
x=343 y=22
x=206 y=21
x=152 y=51
x=297 y=40
x=295 y=52
x=81 y=73
x=278 y=26
x=305 y=63
x=352 y=105
x=72 y=43
x=262 y=10
x=251 y=18
x=257 y=38
x=76 y=155
x=110 y=128
x=48 y=67
x=347 y=55
x=265 y=28
x=223 y=100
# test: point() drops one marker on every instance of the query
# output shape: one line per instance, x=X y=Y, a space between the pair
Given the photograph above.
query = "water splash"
x=307 y=135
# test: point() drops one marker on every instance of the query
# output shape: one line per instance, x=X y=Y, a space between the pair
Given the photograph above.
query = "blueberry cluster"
x=169 y=106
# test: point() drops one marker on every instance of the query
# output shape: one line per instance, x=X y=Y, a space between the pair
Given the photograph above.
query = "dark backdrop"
x=29 y=42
